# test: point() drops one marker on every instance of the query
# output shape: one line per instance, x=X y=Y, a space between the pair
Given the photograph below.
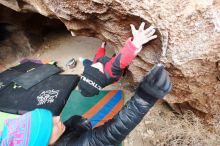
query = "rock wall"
x=188 y=42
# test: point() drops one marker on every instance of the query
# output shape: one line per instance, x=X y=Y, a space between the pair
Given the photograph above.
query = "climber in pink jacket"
x=103 y=71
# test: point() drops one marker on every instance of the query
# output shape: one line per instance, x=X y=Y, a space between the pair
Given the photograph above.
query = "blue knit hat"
x=31 y=129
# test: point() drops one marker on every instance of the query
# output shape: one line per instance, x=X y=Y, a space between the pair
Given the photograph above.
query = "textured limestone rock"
x=188 y=42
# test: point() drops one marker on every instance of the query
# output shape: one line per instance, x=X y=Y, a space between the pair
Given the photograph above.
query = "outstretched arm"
x=130 y=50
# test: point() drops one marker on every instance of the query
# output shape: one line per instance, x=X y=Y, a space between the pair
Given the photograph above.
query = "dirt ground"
x=159 y=127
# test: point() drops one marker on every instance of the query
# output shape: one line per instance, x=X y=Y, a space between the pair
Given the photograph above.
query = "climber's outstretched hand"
x=142 y=36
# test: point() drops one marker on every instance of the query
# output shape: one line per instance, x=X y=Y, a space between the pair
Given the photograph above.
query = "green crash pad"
x=97 y=109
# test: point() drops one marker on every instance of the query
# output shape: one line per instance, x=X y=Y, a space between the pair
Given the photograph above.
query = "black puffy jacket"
x=115 y=130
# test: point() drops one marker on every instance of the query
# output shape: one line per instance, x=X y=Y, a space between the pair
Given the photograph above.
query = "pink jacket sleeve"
x=118 y=63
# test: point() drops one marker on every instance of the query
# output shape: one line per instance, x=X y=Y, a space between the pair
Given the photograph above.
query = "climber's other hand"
x=156 y=84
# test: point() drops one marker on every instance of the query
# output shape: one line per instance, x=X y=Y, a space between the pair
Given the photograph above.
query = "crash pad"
x=98 y=109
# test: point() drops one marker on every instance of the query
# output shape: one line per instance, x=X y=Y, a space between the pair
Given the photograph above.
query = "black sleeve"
x=115 y=130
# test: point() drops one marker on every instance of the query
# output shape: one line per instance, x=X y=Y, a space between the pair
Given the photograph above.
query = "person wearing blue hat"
x=35 y=128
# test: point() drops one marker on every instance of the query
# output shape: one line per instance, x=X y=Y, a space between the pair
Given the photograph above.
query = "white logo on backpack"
x=90 y=82
x=47 y=96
